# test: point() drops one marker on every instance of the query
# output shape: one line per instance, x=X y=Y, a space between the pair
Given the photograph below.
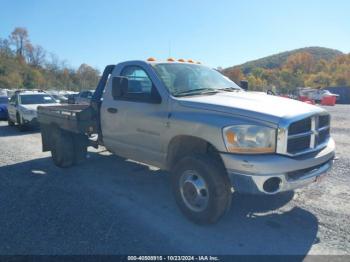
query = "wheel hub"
x=194 y=190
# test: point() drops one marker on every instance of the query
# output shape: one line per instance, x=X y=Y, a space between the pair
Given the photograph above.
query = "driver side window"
x=140 y=86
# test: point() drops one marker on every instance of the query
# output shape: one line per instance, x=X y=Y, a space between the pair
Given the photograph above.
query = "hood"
x=253 y=105
x=3 y=106
x=35 y=106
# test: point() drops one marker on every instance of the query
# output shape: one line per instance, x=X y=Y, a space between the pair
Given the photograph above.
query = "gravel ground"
x=108 y=205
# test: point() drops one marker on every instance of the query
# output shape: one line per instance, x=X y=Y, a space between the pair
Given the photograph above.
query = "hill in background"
x=311 y=66
x=277 y=60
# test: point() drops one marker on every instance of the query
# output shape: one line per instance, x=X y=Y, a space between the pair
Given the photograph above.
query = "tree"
x=88 y=76
x=303 y=61
x=11 y=80
x=35 y=55
x=5 y=48
x=235 y=75
x=320 y=79
x=19 y=37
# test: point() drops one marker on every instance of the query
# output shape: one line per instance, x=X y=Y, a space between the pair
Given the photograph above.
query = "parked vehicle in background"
x=22 y=107
x=59 y=97
x=82 y=98
x=3 y=92
x=3 y=107
x=316 y=95
x=71 y=98
x=189 y=119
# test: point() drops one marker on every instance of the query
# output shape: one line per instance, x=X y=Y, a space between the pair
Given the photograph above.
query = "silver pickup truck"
x=213 y=136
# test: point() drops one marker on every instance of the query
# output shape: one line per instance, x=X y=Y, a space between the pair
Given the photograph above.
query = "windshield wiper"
x=229 y=89
x=198 y=91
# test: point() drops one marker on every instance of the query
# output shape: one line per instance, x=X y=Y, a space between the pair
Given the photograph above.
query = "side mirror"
x=119 y=86
x=244 y=85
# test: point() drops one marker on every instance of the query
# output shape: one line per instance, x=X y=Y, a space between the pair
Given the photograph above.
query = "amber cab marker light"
x=190 y=61
x=181 y=60
x=170 y=59
x=151 y=59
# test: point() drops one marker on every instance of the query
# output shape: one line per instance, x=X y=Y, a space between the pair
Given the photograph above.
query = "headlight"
x=249 y=139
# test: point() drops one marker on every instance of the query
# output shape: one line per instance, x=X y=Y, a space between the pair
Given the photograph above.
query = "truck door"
x=132 y=126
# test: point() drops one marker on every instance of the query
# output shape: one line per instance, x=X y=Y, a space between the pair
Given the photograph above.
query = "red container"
x=306 y=100
x=328 y=100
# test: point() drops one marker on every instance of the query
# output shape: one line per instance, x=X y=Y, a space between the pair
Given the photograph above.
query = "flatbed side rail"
x=72 y=118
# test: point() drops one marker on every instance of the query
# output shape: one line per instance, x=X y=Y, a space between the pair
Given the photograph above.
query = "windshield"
x=189 y=78
x=37 y=99
x=3 y=100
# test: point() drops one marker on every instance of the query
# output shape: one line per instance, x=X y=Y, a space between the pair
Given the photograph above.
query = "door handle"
x=112 y=110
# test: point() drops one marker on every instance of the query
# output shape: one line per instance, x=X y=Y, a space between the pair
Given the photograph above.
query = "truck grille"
x=307 y=134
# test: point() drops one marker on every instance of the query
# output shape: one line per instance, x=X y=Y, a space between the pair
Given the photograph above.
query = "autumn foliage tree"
x=20 y=39
x=299 y=69
x=235 y=75
x=27 y=65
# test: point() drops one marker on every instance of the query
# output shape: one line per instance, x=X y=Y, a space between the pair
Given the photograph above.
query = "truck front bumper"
x=271 y=174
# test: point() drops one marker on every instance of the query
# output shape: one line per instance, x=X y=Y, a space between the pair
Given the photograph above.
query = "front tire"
x=202 y=188
x=20 y=122
x=9 y=122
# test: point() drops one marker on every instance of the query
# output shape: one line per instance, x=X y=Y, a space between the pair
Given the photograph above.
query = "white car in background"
x=22 y=108
x=59 y=96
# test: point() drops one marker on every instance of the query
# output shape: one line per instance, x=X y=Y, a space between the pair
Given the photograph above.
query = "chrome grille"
x=296 y=145
x=305 y=135
x=300 y=126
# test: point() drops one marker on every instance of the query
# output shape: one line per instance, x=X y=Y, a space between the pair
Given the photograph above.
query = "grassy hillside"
x=277 y=60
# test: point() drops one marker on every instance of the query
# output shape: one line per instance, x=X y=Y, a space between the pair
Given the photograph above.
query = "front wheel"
x=20 y=122
x=10 y=122
x=202 y=188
